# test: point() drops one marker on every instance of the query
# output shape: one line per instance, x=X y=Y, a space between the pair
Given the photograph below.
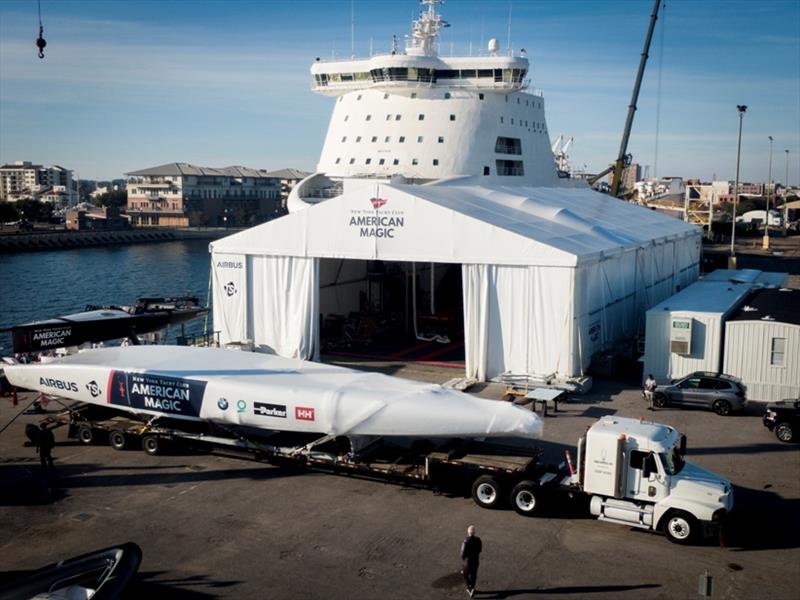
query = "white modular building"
x=685 y=332
x=762 y=345
x=437 y=177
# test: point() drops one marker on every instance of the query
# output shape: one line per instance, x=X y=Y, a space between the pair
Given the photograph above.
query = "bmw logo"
x=222 y=403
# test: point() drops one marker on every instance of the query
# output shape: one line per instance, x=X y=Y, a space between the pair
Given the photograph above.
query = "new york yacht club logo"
x=376 y=223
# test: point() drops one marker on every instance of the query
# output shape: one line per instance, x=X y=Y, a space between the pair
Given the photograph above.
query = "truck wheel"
x=151 y=444
x=721 y=407
x=660 y=400
x=680 y=527
x=525 y=498
x=784 y=432
x=117 y=440
x=486 y=492
x=85 y=434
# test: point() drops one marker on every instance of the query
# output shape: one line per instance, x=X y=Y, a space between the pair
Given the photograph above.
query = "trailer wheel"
x=85 y=434
x=721 y=407
x=117 y=440
x=486 y=492
x=525 y=498
x=680 y=527
x=660 y=400
x=151 y=444
x=784 y=432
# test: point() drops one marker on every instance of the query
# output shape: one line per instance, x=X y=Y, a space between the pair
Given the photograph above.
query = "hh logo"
x=377 y=202
x=303 y=413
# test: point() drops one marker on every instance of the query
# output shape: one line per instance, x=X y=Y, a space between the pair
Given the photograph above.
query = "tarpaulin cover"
x=550 y=275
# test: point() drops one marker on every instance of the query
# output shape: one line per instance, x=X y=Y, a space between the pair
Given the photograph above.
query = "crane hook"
x=40 y=42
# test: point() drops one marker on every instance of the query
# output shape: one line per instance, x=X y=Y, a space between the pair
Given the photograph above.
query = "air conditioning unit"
x=680 y=335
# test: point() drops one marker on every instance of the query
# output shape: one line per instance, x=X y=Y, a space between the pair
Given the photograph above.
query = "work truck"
x=626 y=471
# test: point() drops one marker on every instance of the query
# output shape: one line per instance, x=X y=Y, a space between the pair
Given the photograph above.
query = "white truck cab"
x=636 y=475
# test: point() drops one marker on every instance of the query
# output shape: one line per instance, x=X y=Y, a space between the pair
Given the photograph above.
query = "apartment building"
x=182 y=195
x=23 y=179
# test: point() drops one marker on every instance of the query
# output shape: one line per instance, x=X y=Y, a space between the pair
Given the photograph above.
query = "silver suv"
x=721 y=393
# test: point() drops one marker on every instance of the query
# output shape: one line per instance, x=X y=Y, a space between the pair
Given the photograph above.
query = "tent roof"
x=456 y=222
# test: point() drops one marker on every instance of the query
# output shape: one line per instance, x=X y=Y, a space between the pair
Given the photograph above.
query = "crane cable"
x=40 y=42
x=658 y=90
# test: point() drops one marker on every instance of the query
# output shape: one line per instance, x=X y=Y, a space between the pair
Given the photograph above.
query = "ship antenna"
x=508 y=45
x=352 y=29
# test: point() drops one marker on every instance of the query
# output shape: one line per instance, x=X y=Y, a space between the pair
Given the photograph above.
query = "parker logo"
x=94 y=389
x=304 y=413
x=269 y=410
x=230 y=288
x=377 y=202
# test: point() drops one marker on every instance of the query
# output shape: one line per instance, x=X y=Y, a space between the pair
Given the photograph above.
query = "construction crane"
x=623 y=158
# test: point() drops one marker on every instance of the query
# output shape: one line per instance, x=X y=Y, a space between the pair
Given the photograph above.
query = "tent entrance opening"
x=392 y=310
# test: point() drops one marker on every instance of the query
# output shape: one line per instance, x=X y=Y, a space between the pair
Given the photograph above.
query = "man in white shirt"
x=650 y=391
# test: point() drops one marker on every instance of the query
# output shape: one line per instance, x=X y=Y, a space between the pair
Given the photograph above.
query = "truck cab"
x=636 y=474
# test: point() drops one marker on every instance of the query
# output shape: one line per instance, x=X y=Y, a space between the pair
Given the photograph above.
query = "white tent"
x=550 y=275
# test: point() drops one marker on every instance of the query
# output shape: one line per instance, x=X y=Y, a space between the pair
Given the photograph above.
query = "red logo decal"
x=377 y=202
x=303 y=413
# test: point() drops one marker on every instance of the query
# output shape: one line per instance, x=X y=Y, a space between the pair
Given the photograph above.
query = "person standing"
x=45 y=445
x=650 y=391
x=470 y=558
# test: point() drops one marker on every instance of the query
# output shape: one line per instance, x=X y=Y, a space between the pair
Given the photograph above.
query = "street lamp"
x=786 y=194
x=766 y=210
x=741 y=108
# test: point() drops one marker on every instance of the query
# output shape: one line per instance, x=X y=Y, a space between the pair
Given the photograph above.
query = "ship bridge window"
x=507 y=145
x=469 y=73
x=446 y=74
x=347 y=77
x=485 y=72
x=512 y=168
x=362 y=76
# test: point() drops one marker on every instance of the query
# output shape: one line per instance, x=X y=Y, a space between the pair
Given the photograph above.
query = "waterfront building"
x=288 y=178
x=24 y=180
x=94 y=218
x=182 y=195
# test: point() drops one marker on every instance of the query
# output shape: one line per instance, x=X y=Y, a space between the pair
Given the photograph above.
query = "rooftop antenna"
x=370 y=45
x=508 y=41
x=483 y=22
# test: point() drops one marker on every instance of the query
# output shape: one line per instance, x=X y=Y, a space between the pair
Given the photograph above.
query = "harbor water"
x=42 y=285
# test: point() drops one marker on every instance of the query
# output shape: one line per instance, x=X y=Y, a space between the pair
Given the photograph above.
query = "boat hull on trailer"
x=270 y=392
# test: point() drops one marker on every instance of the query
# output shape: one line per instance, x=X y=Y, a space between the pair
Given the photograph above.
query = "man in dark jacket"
x=46 y=443
x=470 y=557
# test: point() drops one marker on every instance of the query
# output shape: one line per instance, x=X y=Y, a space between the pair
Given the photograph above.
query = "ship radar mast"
x=422 y=41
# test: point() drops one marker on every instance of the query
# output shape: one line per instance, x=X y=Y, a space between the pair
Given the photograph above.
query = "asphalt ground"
x=217 y=527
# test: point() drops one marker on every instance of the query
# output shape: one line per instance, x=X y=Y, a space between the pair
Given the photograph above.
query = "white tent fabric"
x=550 y=275
x=230 y=297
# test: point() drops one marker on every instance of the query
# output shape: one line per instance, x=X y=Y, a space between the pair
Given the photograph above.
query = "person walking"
x=650 y=391
x=45 y=445
x=470 y=558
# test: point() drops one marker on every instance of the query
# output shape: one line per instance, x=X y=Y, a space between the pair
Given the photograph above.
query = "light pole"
x=786 y=194
x=766 y=210
x=741 y=108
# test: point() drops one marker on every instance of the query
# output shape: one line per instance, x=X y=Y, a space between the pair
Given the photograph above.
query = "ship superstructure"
x=422 y=117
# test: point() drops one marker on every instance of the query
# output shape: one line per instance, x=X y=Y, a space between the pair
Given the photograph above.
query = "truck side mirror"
x=682 y=448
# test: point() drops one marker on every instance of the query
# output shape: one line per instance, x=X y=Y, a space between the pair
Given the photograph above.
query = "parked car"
x=784 y=419
x=721 y=393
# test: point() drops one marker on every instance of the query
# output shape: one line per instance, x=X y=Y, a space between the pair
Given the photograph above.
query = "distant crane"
x=623 y=158
x=560 y=156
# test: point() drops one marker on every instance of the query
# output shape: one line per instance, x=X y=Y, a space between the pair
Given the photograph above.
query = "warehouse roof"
x=781 y=305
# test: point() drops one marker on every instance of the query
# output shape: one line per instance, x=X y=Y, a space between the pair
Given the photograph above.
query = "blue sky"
x=126 y=85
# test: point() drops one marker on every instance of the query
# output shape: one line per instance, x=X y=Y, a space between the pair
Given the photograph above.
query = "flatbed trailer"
x=487 y=470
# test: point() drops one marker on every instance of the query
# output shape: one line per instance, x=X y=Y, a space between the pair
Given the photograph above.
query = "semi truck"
x=627 y=471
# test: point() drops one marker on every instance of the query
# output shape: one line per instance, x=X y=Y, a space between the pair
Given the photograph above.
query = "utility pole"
x=786 y=194
x=732 y=262
x=766 y=210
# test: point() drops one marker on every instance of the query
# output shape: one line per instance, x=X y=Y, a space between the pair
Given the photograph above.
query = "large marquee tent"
x=550 y=275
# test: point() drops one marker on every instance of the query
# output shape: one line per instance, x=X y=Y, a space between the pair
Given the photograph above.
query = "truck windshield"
x=672 y=461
